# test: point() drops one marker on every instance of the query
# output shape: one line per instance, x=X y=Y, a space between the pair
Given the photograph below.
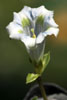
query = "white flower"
x=31 y=26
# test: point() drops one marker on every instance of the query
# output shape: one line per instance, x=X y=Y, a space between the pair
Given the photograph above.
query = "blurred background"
x=14 y=60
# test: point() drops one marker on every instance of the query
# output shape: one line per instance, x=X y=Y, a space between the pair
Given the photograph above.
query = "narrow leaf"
x=31 y=77
x=45 y=60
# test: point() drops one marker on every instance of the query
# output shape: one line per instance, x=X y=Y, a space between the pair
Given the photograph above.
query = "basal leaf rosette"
x=31 y=26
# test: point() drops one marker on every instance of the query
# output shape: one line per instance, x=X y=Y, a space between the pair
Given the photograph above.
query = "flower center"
x=33 y=33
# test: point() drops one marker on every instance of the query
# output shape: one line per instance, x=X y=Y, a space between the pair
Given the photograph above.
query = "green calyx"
x=25 y=22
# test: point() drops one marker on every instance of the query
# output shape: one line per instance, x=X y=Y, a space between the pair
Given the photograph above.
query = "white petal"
x=17 y=18
x=14 y=29
x=25 y=13
x=39 y=11
x=51 y=31
x=40 y=38
x=49 y=21
x=22 y=15
x=28 y=41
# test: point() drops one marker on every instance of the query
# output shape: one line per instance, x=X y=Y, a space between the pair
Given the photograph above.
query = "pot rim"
x=46 y=85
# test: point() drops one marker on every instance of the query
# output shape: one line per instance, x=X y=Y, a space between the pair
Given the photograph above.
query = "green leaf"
x=31 y=77
x=35 y=98
x=43 y=63
x=45 y=60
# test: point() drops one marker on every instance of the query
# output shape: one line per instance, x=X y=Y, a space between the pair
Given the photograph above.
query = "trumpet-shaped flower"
x=31 y=26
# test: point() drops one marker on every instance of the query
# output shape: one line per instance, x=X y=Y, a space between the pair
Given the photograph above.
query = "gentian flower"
x=31 y=26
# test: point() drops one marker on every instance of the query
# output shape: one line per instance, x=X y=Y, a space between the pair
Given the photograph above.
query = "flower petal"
x=28 y=41
x=51 y=31
x=15 y=30
x=49 y=21
x=17 y=18
x=40 y=38
x=39 y=11
x=26 y=11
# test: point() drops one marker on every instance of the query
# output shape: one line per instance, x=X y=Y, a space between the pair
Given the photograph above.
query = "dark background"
x=14 y=63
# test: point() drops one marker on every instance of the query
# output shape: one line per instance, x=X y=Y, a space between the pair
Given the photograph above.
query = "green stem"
x=39 y=80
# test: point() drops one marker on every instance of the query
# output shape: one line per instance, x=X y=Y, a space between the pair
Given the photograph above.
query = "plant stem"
x=39 y=80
